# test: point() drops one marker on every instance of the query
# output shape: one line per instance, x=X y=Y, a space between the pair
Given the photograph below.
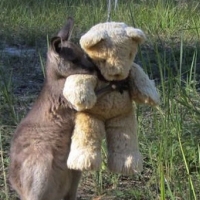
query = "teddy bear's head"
x=113 y=47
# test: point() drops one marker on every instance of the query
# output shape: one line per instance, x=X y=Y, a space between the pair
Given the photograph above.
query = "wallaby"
x=41 y=142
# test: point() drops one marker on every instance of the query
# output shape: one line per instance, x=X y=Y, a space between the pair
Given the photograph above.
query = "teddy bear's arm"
x=79 y=91
x=143 y=89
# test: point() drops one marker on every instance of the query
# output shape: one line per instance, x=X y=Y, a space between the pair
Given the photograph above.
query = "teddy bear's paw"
x=85 y=102
x=79 y=91
x=125 y=164
x=84 y=160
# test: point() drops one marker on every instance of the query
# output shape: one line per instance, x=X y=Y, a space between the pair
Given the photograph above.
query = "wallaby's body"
x=41 y=142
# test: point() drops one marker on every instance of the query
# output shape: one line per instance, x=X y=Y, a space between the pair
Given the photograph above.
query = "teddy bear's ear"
x=90 y=39
x=136 y=34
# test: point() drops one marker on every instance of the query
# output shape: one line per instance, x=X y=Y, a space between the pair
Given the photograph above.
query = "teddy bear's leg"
x=122 y=142
x=85 y=152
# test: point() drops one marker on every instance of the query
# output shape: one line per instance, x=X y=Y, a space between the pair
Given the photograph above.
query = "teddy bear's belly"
x=112 y=105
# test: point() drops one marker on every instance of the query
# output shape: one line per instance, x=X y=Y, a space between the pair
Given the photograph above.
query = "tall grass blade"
x=187 y=168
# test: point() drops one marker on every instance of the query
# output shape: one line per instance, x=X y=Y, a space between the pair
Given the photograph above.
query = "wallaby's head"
x=64 y=56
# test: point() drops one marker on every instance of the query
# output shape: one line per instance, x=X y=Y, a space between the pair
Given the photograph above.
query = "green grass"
x=169 y=135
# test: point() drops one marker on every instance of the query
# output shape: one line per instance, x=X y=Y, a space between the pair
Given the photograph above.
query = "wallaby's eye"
x=68 y=54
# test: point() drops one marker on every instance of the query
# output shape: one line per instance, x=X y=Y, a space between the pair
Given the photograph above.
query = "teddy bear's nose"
x=117 y=76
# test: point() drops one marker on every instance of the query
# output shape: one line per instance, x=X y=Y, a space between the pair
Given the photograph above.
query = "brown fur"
x=41 y=142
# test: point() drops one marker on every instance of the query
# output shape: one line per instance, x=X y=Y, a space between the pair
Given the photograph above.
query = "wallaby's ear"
x=56 y=44
x=67 y=53
x=66 y=31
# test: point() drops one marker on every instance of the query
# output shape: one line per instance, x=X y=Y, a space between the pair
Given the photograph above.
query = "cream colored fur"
x=82 y=87
x=143 y=89
x=112 y=46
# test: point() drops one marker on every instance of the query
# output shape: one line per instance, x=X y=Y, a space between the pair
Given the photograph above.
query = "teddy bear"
x=112 y=46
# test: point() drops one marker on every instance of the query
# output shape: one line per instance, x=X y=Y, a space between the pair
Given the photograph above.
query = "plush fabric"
x=112 y=46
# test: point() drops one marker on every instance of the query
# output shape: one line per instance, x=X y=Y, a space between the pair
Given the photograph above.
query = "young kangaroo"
x=41 y=142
